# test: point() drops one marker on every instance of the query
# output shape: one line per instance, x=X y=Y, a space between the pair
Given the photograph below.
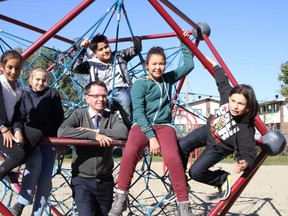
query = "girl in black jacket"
x=11 y=136
x=230 y=130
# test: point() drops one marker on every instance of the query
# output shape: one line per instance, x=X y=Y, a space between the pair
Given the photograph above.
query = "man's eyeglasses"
x=96 y=96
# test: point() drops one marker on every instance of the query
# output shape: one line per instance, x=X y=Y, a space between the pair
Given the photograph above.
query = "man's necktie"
x=96 y=121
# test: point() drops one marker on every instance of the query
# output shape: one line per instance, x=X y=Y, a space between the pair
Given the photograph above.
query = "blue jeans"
x=38 y=172
x=122 y=102
x=93 y=197
x=199 y=171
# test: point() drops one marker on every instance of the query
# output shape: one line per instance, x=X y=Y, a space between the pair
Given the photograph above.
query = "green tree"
x=68 y=84
x=283 y=78
x=42 y=57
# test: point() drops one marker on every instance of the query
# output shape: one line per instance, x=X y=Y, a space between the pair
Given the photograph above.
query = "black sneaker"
x=171 y=197
x=12 y=178
x=17 y=209
x=225 y=188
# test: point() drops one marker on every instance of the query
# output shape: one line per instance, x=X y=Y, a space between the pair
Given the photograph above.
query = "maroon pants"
x=137 y=141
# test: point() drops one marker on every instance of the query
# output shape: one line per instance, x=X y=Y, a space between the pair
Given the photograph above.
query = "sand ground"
x=266 y=193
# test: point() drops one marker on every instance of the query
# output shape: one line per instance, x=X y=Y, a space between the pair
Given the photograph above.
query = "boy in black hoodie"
x=230 y=130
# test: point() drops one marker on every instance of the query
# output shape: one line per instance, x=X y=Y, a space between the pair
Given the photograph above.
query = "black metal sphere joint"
x=204 y=29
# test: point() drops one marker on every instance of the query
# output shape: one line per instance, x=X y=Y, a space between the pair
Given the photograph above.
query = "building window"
x=269 y=108
x=276 y=107
x=261 y=110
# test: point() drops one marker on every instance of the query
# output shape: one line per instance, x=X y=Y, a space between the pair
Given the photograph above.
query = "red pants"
x=137 y=141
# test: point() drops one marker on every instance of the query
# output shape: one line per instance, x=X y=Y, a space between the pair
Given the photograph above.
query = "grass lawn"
x=270 y=160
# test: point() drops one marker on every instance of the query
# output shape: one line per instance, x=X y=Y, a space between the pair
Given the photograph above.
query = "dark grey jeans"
x=200 y=169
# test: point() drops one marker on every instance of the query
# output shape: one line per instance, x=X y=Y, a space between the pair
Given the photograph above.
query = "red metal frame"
x=183 y=113
x=64 y=39
x=50 y=33
x=4 y=210
x=79 y=142
x=62 y=142
x=223 y=207
x=178 y=31
x=33 y=28
x=241 y=183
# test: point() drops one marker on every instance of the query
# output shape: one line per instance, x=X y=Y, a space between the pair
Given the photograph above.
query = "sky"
x=250 y=36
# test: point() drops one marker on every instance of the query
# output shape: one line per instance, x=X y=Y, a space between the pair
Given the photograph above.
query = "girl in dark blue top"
x=41 y=109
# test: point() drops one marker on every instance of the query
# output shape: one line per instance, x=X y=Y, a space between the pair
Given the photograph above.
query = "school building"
x=273 y=113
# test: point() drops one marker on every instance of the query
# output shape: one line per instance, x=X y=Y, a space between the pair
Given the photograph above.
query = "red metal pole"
x=33 y=28
x=74 y=141
x=181 y=14
x=181 y=83
x=187 y=41
x=4 y=210
x=258 y=123
x=242 y=182
x=178 y=31
x=220 y=60
x=261 y=127
x=50 y=33
x=238 y=187
x=146 y=37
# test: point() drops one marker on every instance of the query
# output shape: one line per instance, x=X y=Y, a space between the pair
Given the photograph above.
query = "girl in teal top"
x=152 y=115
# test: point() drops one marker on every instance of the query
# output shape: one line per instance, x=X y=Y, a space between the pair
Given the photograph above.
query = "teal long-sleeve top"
x=151 y=99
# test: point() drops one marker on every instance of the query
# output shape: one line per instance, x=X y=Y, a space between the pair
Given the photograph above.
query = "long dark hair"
x=248 y=92
x=10 y=54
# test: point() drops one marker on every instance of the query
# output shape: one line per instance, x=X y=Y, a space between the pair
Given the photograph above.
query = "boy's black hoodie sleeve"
x=223 y=84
